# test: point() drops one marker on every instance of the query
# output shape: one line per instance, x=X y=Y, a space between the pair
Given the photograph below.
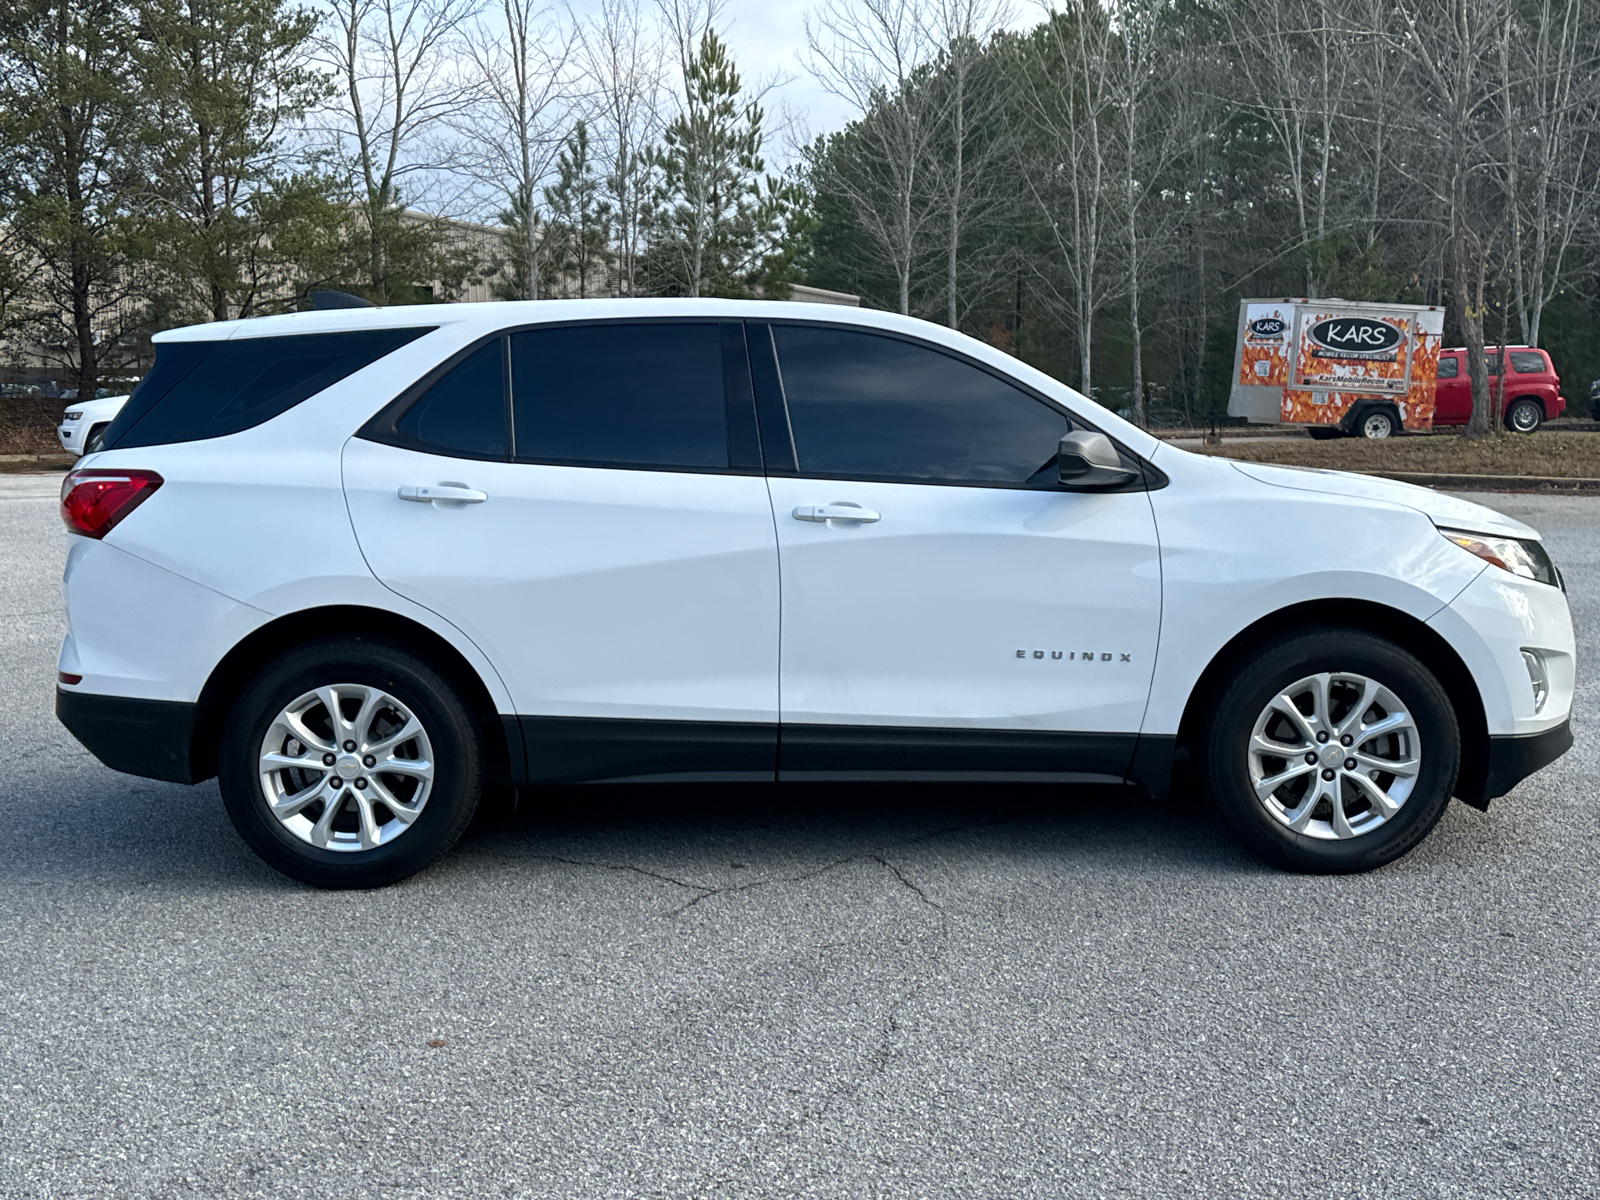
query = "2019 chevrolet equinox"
x=357 y=562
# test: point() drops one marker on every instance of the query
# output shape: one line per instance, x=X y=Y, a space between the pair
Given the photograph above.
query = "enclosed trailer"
x=1331 y=363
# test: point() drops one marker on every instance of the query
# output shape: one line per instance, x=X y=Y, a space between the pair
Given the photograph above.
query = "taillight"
x=92 y=502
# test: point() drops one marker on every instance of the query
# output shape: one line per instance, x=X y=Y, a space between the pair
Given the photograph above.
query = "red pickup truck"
x=1531 y=395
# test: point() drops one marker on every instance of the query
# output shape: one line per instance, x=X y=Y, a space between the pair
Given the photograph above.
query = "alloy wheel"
x=346 y=767
x=1524 y=418
x=1334 y=756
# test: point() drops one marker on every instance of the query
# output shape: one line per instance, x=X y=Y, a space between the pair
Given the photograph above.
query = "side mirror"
x=1087 y=462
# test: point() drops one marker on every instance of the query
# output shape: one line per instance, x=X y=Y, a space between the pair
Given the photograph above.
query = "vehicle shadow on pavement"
x=714 y=829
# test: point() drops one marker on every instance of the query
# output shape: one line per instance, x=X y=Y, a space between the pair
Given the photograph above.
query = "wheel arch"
x=266 y=642
x=1400 y=627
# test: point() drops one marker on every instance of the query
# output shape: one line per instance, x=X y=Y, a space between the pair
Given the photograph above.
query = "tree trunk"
x=1467 y=271
x=954 y=242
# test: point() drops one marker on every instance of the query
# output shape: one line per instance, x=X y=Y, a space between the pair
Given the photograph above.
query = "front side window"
x=208 y=389
x=1527 y=362
x=864 y=405
x=1448 y=366
x=464 y=413
x=620 y=394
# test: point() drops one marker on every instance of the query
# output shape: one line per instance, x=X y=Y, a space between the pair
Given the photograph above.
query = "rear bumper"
x=1512 y=759
x=152 y=738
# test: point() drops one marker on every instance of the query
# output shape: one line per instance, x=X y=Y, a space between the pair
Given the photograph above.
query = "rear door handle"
x=447 y=493
x=842 y=510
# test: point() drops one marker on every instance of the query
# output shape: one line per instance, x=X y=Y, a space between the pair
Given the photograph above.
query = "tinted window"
x=209 y=389
x=1526 y=362
x=620 y=395
x=1448 y=366
x=465 y=412
x=861 y=404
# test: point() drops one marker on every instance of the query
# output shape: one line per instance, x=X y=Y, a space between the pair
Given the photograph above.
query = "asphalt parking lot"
x=761 y=992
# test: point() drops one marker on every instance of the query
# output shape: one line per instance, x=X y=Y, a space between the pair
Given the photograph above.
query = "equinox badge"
x=1077 y=655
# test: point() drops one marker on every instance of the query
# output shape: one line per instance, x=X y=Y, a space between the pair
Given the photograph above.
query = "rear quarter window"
x=1527 y=362
x=1448 y=366
x=200 y=390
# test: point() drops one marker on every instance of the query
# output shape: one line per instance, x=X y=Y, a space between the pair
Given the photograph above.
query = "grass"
x=28 y=424
x=1565 y=455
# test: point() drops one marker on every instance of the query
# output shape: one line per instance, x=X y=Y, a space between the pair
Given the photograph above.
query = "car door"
x=947 y=606
x=1452 y=402
x=585 y=501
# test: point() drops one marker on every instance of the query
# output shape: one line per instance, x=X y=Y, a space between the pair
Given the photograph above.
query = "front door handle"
x=444 y=493
x=842 y=510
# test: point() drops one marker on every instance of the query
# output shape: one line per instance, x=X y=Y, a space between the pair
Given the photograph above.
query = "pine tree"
x=718 y=220
x=228 y=78
x=580 y=221
x=74 y=125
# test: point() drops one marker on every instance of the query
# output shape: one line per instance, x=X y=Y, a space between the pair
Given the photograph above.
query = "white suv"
x=360 y=563
x=84 y=421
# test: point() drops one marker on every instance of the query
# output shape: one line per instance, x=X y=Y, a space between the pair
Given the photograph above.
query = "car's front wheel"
x=348 y=763
x=1330 y=750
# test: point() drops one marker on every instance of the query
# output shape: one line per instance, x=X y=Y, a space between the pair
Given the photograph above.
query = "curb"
x=1491 y=483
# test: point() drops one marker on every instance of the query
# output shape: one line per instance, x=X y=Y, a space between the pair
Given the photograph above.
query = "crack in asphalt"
x=603 y=866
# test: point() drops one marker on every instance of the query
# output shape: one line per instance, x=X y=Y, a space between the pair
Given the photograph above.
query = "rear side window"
x=620 y=394
x=209 y=389
x=866 y=406
x=1527 y=362
x=1448 y=366
x=464 y=413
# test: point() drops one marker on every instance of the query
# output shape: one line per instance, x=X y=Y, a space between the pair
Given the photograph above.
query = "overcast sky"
x=768 y=38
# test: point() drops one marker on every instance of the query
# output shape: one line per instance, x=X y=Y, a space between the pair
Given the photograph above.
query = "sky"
x=768 y=39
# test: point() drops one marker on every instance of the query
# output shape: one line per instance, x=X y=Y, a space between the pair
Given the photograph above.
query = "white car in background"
x=83 y=420
x=359 y=563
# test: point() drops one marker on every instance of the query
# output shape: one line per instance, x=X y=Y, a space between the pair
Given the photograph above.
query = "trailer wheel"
x=1324 y=433
x=1377 y=423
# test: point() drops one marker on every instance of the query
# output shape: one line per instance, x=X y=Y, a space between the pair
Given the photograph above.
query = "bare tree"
x=623 y=61
x=516 y=127
x=1293 y=59
x=1069 y=94
x=872 y=55
x=1550 y=103
x=961 y=29
x=1145 y=90
x=400 y=80
x=1455 y=136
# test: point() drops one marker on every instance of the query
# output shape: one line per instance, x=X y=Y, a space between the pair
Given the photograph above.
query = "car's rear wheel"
x=349 y=763
x=1524 y=416
x=1330 y=750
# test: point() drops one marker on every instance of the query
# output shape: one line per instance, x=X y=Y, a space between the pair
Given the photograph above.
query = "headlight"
x=73 y=416
x=1520 y=556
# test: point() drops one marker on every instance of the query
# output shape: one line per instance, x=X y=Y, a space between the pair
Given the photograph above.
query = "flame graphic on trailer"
x=1314 y=362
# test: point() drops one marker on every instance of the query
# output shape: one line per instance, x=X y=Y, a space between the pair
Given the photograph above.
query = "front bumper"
x=152 y=738
x=1513 y=759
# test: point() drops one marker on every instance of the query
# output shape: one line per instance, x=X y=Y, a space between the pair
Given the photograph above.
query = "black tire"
x=1376 y=424
x=1223 y=745
x=1324 y=433
x=456 y=751
x=1524 y=416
